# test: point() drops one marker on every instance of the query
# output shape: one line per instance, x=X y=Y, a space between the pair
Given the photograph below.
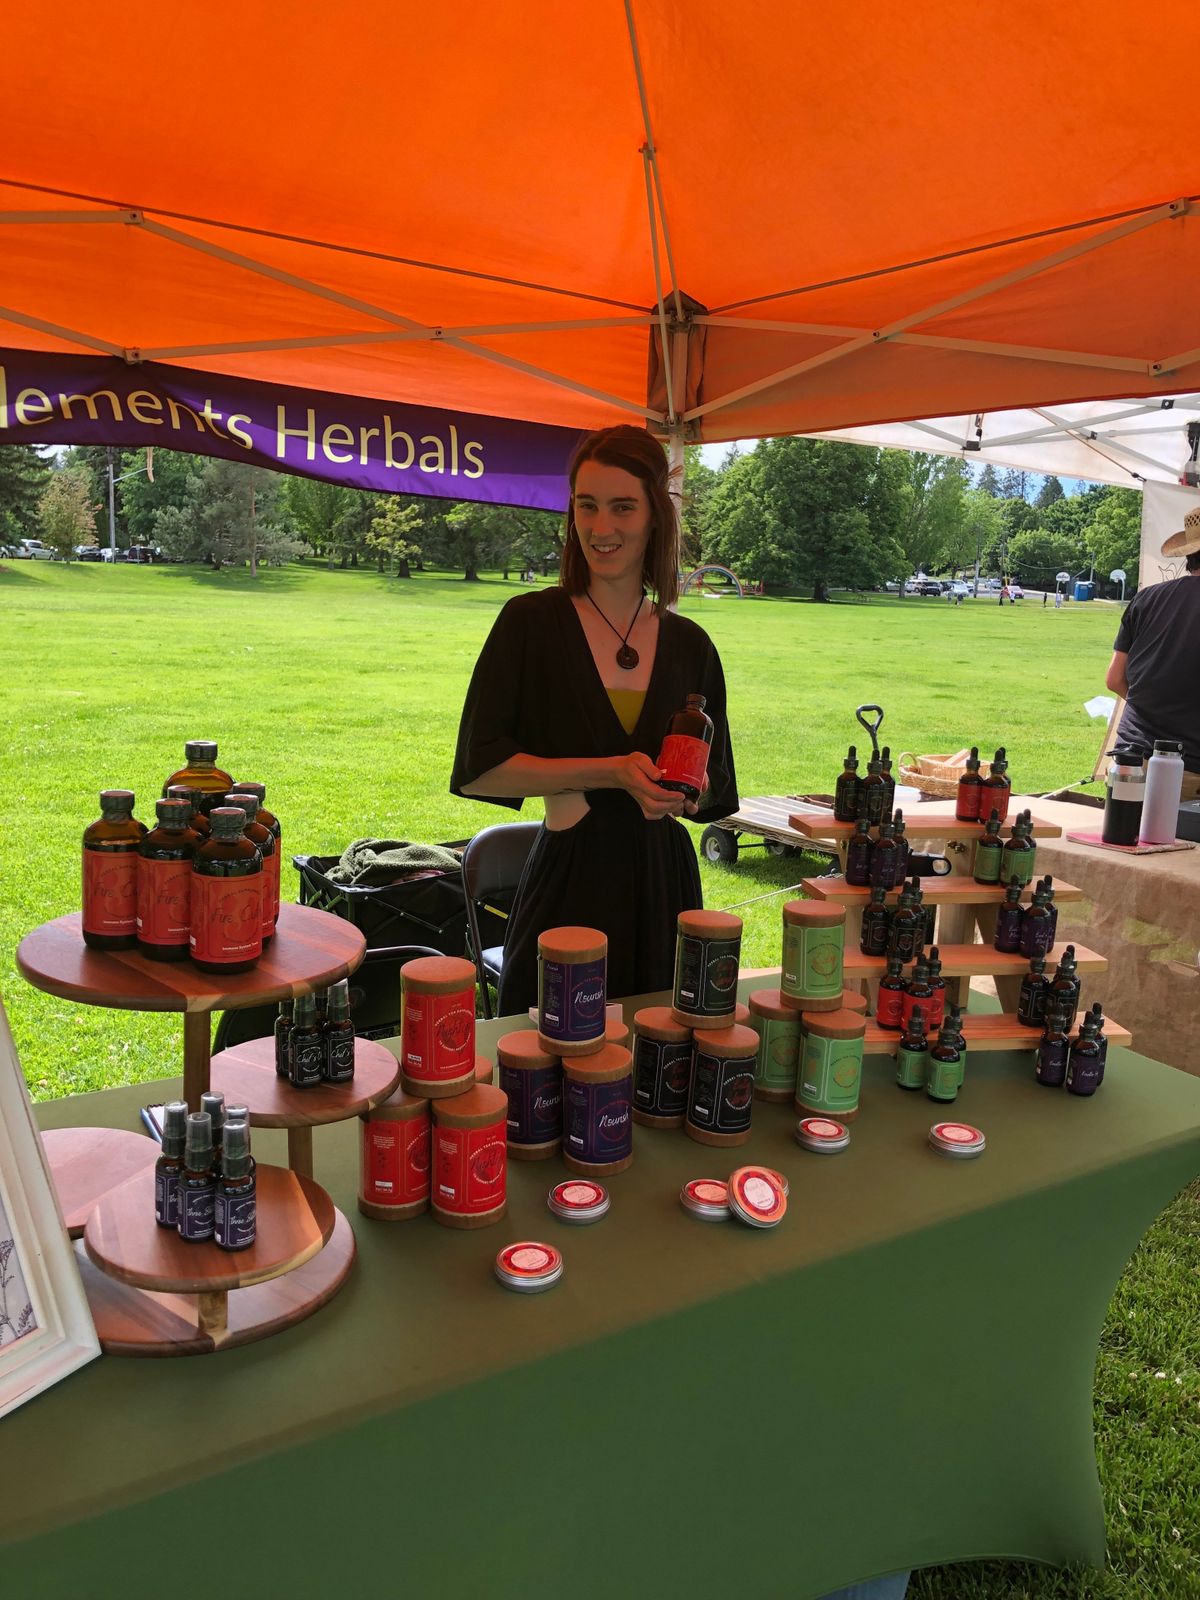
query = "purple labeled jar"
x=721 y=1093
x=572 y=969
x=662 y=1067
x=598 y=1111
x=532 y=1080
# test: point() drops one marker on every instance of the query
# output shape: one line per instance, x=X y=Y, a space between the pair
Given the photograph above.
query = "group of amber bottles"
x=978 y=797
x=204 y=1180
x=203 y=882
x=871 y=796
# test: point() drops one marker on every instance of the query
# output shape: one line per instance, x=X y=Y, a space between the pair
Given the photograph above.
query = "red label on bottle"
x=276 y=869
x=684 y=759
x=164 y=890
x=110 y=892
x=439 y=1035
x=269 y=887
x=994 y=798
x=966 y=805
x=888 y=1007
x=395 y=1161
x=226 y=918
x=470 y=1168
x=937 y=1008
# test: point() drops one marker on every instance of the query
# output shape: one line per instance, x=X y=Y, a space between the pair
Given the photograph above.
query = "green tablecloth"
x=900 y=1374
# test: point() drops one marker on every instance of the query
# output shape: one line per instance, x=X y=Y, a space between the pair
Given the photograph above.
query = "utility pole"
x=112 y=508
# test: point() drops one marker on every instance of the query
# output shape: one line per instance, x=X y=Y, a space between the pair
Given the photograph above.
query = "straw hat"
x=1187 y=541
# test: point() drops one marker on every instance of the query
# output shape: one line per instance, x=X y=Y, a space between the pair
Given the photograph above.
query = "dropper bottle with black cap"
x=1064 y=990
x=235 y=1221
x=845 y=790
x=970 y=790
x=997 y=787
x=168 y=1169
x=876 y=920
x=889 y=782
x=1085 y=1068
x=1035 y=986
x=197 y=1187
x=873 y=793
x=1007 y=937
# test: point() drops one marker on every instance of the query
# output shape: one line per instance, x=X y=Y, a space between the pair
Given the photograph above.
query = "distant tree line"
x=807 y=515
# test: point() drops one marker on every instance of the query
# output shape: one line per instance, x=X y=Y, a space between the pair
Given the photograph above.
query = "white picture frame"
x=46 y=1328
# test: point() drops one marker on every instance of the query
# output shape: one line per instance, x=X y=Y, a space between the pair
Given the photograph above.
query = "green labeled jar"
x=831 y=1063
x=814 y=941
x=779 y=1033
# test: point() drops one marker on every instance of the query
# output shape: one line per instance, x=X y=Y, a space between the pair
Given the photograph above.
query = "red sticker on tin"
x=957 y=1132
x=708 y=1191
x=757 y=1192
x=577 y=1194
x=110 y=892
x=163 y=901
x=395 y=1161
x=822 y=1128
x=439 y=1035
x=226 y=918
x=684 y=759
x=528 y=1260
x=471 y=1168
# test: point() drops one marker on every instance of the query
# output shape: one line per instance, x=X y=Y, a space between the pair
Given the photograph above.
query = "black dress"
x=535 y=691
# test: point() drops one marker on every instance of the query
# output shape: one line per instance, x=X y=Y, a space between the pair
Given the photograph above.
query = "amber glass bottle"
x=202 y=772
x=989 y=852
x=197 y=821
x=283 y=1033
x=165 y=883
x=268 y=820
x=889 y=782
x=937 y=1000
x=683 y=758
x=227 y=880
x=169 y=1167
x=110 y=869
x=876 y=920
x=970 y=790
x=262 y=836
x=306 y=1045
x=845 y=790
x=889 y=1002
x=886 y=858
x=997 y=788
x=873 y=793
x=235 y=1211
x=337 y=1032
x=917 y=992
x=1020 y=852
x=197 y=1187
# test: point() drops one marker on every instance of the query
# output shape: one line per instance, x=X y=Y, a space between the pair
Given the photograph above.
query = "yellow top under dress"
x=627 y=703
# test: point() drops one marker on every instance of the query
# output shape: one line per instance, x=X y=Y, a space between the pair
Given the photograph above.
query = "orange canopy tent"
x=725 y=223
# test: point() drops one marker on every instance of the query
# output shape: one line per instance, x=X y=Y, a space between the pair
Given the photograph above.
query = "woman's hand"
x=638 y=776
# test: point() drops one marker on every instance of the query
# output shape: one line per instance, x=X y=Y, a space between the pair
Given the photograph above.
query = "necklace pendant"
x=627 y=658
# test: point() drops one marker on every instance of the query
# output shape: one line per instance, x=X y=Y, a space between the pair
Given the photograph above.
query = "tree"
x=139 y=500
x=983 y=525
x=800 y=513
x=1036 y=555
x=473 y=535
x=699 y=482
x=1014 y=484
x=65 y=515
x=1050 y=491
x=1113 y=534
x=989 y=481
x=228 y=518
x=930 y=509
x=24 y=474
x=393 y=532
x=333 y=521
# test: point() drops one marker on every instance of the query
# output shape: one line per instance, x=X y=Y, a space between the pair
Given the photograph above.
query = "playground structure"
x=714 y=580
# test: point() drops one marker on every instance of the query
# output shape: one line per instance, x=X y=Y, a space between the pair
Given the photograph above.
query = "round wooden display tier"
x=245 y=1074
x=139 y=1322
x=311 y=949
x=85 y=1163
x=295 y=1219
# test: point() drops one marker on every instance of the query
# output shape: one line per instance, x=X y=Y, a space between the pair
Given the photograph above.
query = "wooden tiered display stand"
x=150 y=1292
x=965 y=909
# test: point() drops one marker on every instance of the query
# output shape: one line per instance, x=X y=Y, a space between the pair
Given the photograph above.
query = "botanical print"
x=16 y=1310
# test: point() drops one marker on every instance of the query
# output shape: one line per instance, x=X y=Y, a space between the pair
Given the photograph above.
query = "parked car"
x=929 y=586
x=994 y=584
x=958 y=590
x=34 y=550
x=1015 y=592
x=891 y=586
x=143 y=554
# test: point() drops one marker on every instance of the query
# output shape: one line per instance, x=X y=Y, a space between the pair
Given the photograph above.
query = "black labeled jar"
x=708 y=953
x=662 y=1068
x=721 y=1092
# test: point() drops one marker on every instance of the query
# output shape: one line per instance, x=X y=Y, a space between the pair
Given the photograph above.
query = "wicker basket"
x=933 y=775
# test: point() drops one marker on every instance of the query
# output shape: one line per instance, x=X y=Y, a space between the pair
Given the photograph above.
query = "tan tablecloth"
x=1143 y=914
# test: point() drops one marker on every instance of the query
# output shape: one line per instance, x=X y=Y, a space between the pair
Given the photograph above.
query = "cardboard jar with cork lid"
x=721 y=1092
x=598 y=1111
x=395 y=1159
x=532 y=1079
x=708 y=952
x=831 y=1058
x=572 y=990
x=814 y=942
x=438 y=1027
x=470 y=1158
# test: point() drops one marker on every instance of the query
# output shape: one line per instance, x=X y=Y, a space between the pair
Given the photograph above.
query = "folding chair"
x=492 y=864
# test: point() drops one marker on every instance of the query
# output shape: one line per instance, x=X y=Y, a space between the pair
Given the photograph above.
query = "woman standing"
x=569 y=700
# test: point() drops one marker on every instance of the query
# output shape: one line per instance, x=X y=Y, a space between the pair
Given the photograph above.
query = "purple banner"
x=385 y=446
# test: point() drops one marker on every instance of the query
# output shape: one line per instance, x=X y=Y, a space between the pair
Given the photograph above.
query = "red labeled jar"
x=572 y=989
x=110 y=873
x=226 y=903
x=396 y=1154
x=470 y=1161
x=269 y=820
x=662 y=1067
x=598 y=1112
x=164 y=877
x=258 y=833
x=438 y=1029
x=721 y=1092
x=485 y=1072
x=532 y=1080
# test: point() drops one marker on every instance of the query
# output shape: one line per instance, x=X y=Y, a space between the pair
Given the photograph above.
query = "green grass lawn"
x=341 y=691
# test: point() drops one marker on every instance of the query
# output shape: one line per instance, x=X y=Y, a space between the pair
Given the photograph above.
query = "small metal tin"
x=578 y=1200
x=822 y=1134
x=756 y=1196
x=780 y=1180
x=958 y=1140
x=706 y=1198
x=529 y=1267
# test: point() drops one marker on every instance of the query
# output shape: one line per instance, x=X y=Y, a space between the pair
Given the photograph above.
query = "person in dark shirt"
x=1156 y=660
x=569 y=700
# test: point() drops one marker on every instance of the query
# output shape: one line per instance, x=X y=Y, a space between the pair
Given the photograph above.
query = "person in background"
x=1005 y=594
x=1156 y=659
